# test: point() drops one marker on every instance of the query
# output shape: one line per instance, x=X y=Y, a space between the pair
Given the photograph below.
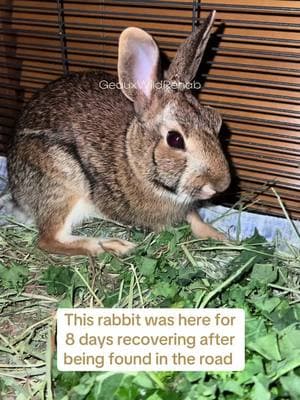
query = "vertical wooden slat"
x=10 y=92
x=253 y=78
x=62 y=35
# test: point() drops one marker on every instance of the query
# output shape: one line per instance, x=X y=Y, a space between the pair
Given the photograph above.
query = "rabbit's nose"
x=222 y=184
x=207 y=191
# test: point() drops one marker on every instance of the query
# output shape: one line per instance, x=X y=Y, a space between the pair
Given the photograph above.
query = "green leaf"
x=165 y=237
x=195 y=376
x=232 y=387
x=116 y=264
x=264 y=273
x=256 y=245
x=165 y=289
x=143 y=380
x=267 y=346
x=267 y=304
x=13 y=277
x=237 y=294
x=254 y=366
x=66 y=301
x=260 y=390
x=255 y=328
x=291 y=384
x=283 y=316
x=154 y=396
x=289 y=342
x=278 y=369
x=147 y=266
x=84 y=387
x=57 y=280
x=256 y=239
x=106 y=385
x=127 y=390
x=206 y=389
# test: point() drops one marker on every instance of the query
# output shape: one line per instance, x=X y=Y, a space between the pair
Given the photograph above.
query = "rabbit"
x=140 y=151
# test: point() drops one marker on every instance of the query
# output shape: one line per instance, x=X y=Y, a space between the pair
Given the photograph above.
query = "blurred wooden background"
x=251 y=72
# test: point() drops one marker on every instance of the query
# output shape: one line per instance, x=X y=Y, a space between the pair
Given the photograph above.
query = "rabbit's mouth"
x=207 y=190
x=204 y=193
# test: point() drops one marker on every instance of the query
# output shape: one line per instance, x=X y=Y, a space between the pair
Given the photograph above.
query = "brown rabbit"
x=142 y=155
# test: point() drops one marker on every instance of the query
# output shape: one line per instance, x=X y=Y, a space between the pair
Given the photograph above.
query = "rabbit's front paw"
x=202 y=230
x=118 y=247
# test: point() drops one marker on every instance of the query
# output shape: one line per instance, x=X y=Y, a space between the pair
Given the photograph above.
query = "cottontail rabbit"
x=141 y=155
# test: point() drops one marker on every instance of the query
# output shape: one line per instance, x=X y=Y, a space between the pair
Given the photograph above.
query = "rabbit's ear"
x=186 y=62
x=212 y=118
x=137 y=64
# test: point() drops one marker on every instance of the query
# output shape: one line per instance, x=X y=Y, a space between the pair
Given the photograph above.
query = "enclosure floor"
x=238 y=225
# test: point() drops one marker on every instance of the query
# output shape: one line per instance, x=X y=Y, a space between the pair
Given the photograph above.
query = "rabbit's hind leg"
x=56 y=232
x=48 y=182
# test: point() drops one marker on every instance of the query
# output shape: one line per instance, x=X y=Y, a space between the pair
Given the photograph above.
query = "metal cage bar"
x=62 y=35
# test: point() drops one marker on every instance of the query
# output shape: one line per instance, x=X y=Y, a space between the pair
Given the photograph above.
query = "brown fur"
x=76 y=142
x=186 y=63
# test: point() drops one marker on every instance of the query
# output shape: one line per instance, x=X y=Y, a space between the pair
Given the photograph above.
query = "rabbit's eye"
x=175 y=139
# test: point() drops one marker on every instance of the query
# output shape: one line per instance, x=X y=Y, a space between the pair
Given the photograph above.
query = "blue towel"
x=3 y=174
x=240 y=225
